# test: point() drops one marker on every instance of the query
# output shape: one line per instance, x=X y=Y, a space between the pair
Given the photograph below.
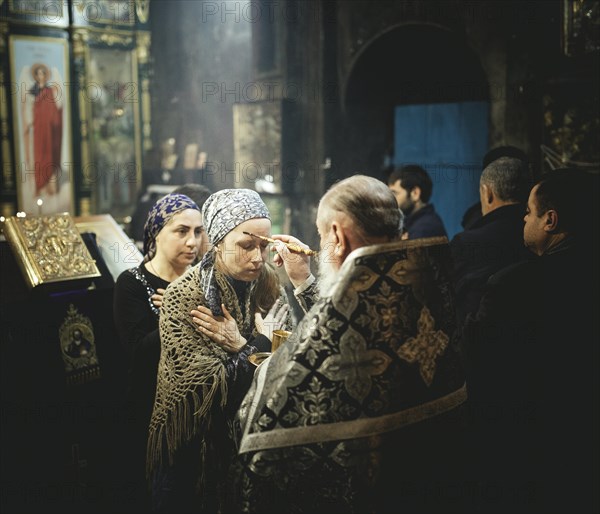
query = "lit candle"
x=40 y=203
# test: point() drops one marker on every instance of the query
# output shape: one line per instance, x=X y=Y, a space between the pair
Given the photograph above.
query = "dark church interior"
x=285 y=98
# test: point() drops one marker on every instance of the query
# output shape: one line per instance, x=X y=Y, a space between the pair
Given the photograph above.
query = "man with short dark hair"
x=532 y=356
x=412 y=187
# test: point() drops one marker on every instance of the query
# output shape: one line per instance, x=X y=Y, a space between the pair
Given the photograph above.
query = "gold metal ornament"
x=49 y=249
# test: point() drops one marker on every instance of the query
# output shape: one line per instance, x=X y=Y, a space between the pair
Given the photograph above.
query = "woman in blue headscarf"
x=173 y=237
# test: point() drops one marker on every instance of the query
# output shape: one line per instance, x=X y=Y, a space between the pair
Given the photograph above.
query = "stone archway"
x=410 y=64
x=407 y=64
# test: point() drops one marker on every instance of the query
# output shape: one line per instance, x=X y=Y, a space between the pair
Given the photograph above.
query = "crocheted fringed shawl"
x=192 y=371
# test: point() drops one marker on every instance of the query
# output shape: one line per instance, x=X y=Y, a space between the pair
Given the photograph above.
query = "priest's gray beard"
x=327 y=277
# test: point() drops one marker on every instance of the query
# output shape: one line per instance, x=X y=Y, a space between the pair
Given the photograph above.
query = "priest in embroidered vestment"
x=358 y=411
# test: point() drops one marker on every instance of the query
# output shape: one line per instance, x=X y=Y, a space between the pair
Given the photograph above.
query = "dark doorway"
x=435 y=72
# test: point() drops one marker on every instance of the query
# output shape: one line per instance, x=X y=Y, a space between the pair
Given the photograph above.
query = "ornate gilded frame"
x=110 y=113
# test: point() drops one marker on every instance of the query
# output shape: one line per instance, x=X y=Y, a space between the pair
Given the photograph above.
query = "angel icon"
x=42 y=115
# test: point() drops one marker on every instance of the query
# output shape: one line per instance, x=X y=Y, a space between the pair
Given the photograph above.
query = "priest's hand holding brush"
x=294 y=255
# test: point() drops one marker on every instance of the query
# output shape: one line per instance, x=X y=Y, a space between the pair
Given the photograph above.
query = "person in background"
x=473 y=213
x=199 y=194
x=496 y=239
x=200 y=384
x=532 y=357
x=153 y=192
x=412 y=187
x=357 y=410
x=173 y=236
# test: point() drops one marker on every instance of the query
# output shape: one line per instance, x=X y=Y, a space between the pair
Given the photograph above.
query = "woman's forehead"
x=260 y=226
x=186 y=217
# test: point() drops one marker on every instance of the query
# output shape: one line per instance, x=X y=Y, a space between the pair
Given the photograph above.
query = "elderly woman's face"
x=241 y=256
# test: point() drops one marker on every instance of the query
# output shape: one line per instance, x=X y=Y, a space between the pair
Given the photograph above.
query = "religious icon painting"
x=42 y=134
x=78 y=348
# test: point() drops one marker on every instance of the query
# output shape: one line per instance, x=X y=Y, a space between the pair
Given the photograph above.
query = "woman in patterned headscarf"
x=201 y=383
x=173 y=236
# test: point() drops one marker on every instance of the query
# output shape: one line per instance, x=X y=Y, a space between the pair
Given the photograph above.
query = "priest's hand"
x=296 y=265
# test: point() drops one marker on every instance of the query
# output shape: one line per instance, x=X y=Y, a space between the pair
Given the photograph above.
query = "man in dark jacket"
x=496 y=239
x=473 y=213
x=412 y=187
x=532 y=358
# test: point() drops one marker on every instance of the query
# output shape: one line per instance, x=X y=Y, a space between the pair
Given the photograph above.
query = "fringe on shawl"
x=187 y=416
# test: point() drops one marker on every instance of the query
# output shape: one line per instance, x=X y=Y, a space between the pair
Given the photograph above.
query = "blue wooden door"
x=449 y=141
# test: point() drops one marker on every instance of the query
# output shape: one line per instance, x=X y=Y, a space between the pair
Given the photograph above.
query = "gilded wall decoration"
x=570 y=128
